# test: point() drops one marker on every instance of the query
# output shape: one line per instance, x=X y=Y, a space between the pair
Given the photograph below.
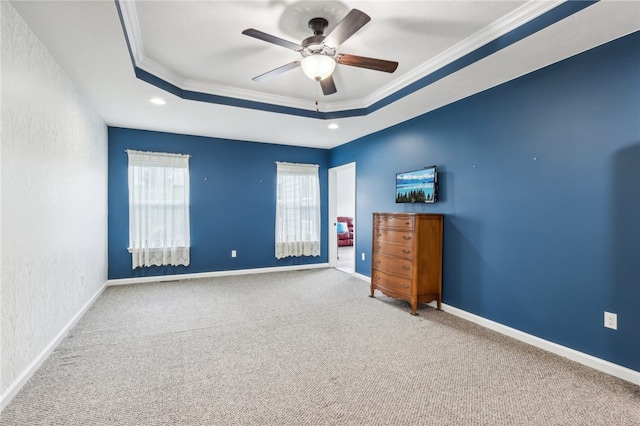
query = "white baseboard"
x=579 y=357
x=178 y=277
x=610 y=368
x=362 y=277
x=19 y=382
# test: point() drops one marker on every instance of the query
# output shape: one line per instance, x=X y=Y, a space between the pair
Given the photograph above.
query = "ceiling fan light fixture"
x=318 y=67
x=319 y=54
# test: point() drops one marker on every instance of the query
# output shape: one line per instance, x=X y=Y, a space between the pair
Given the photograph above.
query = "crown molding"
x=233 y=92
x=130 y=22
x=505 y=25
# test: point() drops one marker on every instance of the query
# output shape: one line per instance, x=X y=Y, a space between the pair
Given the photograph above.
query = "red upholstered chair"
x=345 y=231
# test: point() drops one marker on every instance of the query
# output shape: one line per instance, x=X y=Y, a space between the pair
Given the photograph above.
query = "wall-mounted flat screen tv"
x=417 y=186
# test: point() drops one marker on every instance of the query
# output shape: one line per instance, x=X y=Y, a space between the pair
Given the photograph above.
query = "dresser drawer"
x=399 y=250
x=394 y=265
x=393 y=283
x=390 y=221
x=393 y=236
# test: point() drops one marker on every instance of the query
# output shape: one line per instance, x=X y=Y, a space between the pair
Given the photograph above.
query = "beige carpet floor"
x=302 y=348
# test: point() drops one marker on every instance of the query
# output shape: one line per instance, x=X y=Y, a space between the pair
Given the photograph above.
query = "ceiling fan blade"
x=349 y=25
x=369 y=63
x=272 y=39
x=274 y=72
x=328 y=86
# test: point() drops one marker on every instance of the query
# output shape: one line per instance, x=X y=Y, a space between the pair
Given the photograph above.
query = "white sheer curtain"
x=297 y=210
x=158 y=209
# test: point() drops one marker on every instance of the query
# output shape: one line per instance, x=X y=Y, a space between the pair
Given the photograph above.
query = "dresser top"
x=398 y=214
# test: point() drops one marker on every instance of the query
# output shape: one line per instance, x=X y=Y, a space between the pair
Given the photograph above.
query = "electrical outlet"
x=233 y=253
x=610 y=320
x=362 y=256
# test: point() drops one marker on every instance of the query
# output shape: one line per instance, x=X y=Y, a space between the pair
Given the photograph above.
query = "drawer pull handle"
x=406 y=237
x=404 y=286
x=404 y=251
x=379 y=234
x=406 y=268
x=377 y=260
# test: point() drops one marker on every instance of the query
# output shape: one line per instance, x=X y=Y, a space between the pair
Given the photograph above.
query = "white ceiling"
x=198 y=46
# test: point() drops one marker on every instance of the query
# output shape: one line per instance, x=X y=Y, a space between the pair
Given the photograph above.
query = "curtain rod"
x=157 y=153
x=296 y=164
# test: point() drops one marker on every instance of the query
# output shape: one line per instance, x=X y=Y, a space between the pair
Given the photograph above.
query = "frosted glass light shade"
x=318 y=67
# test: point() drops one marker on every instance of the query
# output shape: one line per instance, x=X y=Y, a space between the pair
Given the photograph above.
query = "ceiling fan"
x=319 y=55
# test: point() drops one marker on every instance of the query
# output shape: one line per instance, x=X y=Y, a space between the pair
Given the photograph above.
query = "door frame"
x=333 y=211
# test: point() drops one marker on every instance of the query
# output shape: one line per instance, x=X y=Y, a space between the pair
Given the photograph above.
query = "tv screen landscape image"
x=417 y=186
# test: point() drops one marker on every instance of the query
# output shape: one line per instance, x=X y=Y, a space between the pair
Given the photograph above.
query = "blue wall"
x=233 y=193
x=540 y=185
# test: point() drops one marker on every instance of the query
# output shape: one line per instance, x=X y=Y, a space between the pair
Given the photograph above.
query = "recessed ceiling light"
x=333 y=126
x=157 y=101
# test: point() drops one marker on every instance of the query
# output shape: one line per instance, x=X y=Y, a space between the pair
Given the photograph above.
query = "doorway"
x=342 y=215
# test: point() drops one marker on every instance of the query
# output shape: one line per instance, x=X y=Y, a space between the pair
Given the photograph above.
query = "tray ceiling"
x=193 y=55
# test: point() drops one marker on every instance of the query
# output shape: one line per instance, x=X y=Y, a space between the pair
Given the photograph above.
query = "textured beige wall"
x=53 y=201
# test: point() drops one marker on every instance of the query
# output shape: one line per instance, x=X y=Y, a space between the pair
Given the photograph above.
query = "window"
x=158 y=209
x=297 y=210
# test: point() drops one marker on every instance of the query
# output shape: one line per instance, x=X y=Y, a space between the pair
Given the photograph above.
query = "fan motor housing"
x=314 y=45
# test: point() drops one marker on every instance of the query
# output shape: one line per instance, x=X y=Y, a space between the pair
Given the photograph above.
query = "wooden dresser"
x=406 y=262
